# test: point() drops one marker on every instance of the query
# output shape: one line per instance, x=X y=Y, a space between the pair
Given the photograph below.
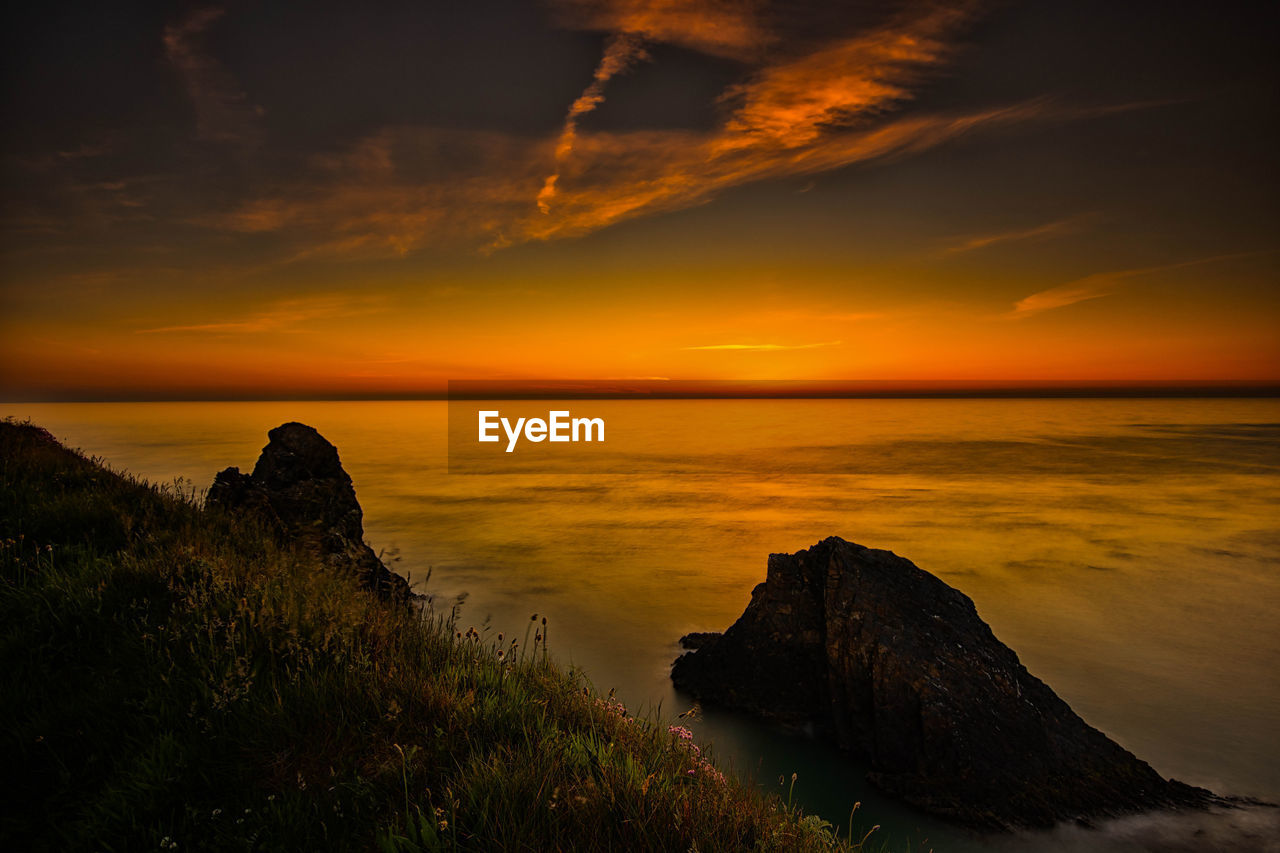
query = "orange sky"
x=404 y=342
x=676 y=189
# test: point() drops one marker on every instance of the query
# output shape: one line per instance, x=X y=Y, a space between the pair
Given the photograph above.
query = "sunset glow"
x=235 y=202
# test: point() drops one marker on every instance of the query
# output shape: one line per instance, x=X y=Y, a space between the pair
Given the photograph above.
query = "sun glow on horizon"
x=690 y=190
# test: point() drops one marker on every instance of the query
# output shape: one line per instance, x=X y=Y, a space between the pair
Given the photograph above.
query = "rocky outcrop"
x=300 y=487
x=897 y=667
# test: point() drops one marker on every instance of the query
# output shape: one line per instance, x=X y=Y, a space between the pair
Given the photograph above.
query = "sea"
x=1127 y=549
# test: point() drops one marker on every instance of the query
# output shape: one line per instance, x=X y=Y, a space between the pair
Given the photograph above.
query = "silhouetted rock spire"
x=299 y=485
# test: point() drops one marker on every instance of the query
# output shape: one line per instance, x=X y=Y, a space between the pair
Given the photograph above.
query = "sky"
x=327 y=199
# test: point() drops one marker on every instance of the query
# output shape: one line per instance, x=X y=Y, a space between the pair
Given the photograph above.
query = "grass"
x=175 y=679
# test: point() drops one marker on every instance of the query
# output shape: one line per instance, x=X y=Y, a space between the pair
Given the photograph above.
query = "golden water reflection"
x=1126 y=549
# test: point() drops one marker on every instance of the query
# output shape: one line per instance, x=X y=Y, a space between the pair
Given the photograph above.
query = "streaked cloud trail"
x=1049 y=229
x=620 y=53
x=1102 y=284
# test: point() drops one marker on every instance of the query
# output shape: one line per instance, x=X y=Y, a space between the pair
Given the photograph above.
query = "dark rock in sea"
x=300 y=487
x=897 y=668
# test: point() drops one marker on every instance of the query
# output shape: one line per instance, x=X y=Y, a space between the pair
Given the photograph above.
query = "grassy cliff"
x=173 y=678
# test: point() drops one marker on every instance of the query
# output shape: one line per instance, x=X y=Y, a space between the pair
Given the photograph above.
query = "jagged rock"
x=897 y=667
x=299 y=485
x=698 y=639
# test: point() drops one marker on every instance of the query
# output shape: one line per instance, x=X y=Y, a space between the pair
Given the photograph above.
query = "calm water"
x=1128 y=550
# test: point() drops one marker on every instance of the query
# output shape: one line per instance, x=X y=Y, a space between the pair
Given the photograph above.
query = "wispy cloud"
x=1090 y=287
x=733 y=29
x=1049 y=229
x=810 y=99
x=352 y=206
x=283 y=317
x=223 y=110
x=805 y=104
x=358 y=204
x=620 y=53
x=765 y=347
x=1101 y=284
x=800 y=100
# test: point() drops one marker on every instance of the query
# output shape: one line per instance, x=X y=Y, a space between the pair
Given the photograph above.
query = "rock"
x=300 y=487
x=897 y=668
x=698 y=639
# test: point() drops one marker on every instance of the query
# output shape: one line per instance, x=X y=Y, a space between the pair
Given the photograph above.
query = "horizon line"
x=779 y=389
